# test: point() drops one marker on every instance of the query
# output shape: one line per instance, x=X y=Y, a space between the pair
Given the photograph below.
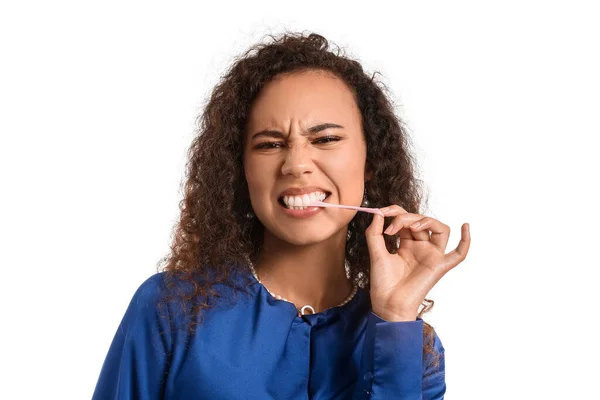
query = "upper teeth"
x=304 y=200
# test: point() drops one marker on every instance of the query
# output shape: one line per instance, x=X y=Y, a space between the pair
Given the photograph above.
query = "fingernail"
x=384 y=210
x=389 y=229
x=415 y=225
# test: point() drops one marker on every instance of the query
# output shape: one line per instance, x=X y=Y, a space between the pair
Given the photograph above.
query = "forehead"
x=307 y=97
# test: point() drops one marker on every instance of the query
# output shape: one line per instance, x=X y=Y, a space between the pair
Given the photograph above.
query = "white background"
x=97 y=109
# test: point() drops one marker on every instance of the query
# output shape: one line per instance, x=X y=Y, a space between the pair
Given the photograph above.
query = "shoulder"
x=170 y=293
x=146 y=306
x=153 y=285
x=176 y=298
x=160 y=287
x=149 y=292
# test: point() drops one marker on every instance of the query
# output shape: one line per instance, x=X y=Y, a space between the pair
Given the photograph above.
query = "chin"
x=306 y=237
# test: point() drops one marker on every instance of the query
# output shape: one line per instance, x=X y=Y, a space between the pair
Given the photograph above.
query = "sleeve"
x=392 y=363
x=137 y=361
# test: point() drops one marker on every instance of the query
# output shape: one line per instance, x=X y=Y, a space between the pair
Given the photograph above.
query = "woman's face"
x=288 y=157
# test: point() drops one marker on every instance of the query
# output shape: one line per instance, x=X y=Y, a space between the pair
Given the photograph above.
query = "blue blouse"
x=257 y=347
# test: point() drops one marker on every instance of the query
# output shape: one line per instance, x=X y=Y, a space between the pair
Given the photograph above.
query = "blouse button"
x=368 y=376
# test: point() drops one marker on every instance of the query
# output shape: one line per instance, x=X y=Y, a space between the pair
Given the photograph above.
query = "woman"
x=262 y=297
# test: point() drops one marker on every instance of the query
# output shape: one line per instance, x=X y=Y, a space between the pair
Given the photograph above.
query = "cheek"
x=346 y=172
x=251 y=179
x=348 y=186
x=252 y=171
x=255 y=186
x=259 y=181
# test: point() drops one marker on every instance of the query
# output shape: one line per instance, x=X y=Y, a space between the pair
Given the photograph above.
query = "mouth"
x=280 y=200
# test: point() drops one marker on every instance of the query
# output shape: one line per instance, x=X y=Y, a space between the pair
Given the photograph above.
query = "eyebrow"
x=311 y=131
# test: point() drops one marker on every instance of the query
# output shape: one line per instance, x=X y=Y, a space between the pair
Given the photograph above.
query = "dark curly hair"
x=214 y=236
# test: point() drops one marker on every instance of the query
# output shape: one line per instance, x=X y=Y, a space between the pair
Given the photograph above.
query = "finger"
x=401 y=225
x=457 y=255
x=407 y=232
x=393 y=210
x=375 y=240
x=440 y=232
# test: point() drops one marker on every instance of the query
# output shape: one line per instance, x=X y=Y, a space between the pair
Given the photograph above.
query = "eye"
x=272 y=145
x=266 y=145
x=328 y=139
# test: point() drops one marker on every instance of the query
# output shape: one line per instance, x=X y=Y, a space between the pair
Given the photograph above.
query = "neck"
x=312 y=275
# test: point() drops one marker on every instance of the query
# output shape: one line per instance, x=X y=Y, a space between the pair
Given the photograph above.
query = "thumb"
x=375 y=240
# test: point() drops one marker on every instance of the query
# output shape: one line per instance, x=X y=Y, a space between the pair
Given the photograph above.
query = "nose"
x=297 y=161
